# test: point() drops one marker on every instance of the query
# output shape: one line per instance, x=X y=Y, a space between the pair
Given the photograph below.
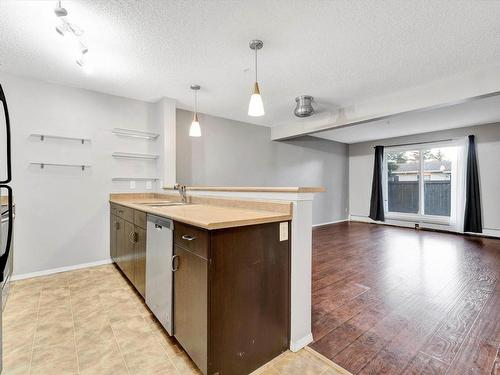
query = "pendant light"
x=195 y=130
x=256 y=106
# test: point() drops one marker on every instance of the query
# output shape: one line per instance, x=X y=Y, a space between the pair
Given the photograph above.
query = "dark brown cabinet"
x=120 y=240
x=128 y=255
x=112 y=236
x=140 y=261
x=231 y=296
x=128 y=244
x=190 y=305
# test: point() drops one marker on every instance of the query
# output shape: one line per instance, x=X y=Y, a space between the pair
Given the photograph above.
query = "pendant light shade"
x=195 y=129
x=256 y=105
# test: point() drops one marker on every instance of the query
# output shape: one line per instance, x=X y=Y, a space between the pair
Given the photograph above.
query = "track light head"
x=60 y=11
x=60 y=30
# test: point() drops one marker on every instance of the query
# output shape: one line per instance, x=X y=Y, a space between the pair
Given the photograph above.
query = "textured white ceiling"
x=341 y=52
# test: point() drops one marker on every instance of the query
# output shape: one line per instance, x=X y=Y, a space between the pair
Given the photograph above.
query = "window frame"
x=420 y=216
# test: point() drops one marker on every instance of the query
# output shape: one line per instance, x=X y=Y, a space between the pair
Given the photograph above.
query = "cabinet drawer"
x=113 y=209
x=140 y=219
x=191 y=238
x=123 y=212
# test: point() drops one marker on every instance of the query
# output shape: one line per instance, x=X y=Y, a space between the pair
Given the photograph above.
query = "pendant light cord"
x=256 y=64
x=195 y=101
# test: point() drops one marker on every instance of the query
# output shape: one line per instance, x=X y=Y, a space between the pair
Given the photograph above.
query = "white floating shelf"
x=135 y=134
x=43 y=165
x=130 y=155
x=135 y=179
x=44 y=136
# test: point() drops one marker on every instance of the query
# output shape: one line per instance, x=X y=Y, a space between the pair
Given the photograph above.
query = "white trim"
x=416 y=218
x=407 y=224
x=60 y=269
x=486 y=232
x=421 y=217
x=330 y=222
x=421 y=145
x=364 y=219
x=296 y=345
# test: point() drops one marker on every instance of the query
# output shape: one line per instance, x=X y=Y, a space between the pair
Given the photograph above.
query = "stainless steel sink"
x=149 y=203
x=164 y=204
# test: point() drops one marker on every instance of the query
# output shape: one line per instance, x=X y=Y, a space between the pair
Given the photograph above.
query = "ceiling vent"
x=304 y=106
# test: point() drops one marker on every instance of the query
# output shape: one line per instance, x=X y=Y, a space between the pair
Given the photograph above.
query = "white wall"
x=488 y=154
x=231 y=153
x=62 y=213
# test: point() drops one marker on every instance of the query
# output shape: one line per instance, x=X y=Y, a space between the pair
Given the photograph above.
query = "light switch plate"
x=283 y=231
x=132 y=184
x=149 y=185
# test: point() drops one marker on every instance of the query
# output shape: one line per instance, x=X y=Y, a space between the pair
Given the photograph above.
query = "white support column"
x=301 y=288
x=167 y=118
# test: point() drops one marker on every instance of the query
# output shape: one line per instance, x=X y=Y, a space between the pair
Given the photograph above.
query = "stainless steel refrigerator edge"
x=7 y=217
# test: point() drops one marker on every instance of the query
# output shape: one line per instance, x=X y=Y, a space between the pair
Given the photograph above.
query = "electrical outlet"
x=149 y=185
x=283 y=231
x=132 y=184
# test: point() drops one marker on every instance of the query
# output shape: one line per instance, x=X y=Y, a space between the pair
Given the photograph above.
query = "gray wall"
x=62 y=214
x=231 y=153
x=488 y=153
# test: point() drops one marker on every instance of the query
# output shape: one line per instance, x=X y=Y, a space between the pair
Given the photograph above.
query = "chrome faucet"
x=182 y=191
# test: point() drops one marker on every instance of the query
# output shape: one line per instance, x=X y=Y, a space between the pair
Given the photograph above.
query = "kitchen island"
x=301 y=199
x=231 y=285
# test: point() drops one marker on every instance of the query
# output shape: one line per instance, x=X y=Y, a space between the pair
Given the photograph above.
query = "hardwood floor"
x=390 y=300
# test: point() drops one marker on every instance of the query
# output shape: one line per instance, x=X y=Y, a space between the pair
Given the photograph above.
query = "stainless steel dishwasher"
x=159 y=280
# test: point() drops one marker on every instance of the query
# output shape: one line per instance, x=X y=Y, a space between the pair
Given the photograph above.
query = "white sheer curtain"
x=459 y=171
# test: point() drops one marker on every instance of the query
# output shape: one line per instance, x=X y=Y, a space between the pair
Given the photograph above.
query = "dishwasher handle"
x=160 y=223
x=175 y=266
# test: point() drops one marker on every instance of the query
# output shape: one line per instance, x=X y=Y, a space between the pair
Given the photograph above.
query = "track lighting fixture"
x=65 y=28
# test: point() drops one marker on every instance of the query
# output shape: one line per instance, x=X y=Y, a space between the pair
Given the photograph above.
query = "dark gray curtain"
x=472 y=220
x=377 y=200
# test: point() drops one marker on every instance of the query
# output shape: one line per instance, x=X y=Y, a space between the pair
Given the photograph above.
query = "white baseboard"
x=363 y=219
x=296 y=345
x=329 y=222
x=487 y=232
x=60 y=269
x=408 y=224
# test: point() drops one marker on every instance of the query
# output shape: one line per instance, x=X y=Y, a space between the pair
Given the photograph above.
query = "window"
x=419 y=181
x=437 y=180
x=403 y=174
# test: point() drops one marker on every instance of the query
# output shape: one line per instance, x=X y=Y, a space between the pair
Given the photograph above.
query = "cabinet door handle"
x=174 y=268
x=117 y=225
x=187 y=237
x=133 y=237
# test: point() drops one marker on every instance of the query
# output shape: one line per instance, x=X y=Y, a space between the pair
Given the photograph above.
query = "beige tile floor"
x=91 y=321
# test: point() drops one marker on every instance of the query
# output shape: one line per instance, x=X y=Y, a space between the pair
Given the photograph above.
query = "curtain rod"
x=420 y=143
